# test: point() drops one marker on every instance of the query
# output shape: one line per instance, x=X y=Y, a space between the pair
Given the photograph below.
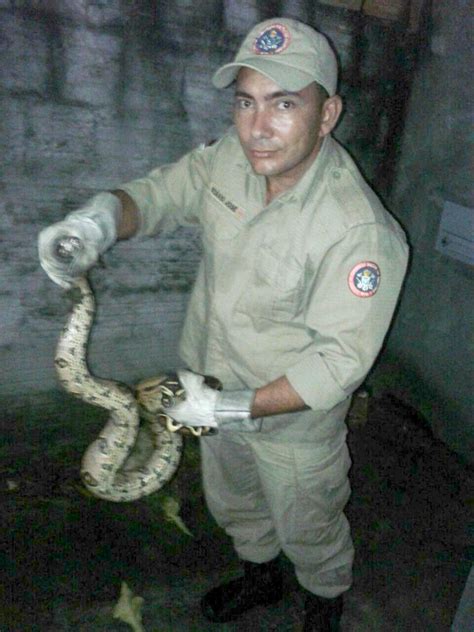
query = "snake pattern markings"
x=128 y=460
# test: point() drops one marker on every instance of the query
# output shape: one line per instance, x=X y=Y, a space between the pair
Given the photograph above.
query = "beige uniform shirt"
x=304 y=287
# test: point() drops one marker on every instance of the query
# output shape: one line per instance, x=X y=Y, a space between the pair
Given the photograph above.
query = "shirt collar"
x=304 y=187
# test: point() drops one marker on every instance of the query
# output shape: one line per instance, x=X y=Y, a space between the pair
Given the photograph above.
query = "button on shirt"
x=277 y=289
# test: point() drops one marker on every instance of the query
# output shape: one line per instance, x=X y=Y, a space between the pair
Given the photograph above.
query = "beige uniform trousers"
x=271 y=497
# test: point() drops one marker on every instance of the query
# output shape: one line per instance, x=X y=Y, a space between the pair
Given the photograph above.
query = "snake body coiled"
x=127 y=460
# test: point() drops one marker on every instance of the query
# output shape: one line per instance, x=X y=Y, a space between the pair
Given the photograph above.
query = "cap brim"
x=285 y=76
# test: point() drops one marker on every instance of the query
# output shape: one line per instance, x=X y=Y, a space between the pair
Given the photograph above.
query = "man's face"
x=280 y=131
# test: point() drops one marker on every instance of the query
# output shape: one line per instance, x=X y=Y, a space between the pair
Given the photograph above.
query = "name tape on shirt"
x=364 y=279
x=228 y=204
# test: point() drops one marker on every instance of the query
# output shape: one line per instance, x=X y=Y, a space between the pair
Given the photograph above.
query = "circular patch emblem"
x=364 y=279
x=274 y=39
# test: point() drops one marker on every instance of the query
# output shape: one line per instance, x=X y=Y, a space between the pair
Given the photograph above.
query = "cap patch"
x=274 y=39
x=364 y=279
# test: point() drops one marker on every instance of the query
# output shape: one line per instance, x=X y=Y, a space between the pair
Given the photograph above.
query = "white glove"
x=95 y=229
x=205 y=406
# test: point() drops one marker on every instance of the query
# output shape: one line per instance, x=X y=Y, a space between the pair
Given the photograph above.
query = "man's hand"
x=93 y=228
x=205 y=406
x=200 y=402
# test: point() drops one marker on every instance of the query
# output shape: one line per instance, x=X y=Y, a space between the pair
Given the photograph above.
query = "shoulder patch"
x=364 y=279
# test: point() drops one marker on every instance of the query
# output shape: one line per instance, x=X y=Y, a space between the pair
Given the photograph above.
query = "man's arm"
x=276 y=398
x=239 y=410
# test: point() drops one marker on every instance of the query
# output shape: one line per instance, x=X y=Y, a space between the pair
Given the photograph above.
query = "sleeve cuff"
x=314 y=383
x=143 y=229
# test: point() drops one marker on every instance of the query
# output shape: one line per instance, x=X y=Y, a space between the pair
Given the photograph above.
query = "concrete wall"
x=93 y=94
x=430 y=359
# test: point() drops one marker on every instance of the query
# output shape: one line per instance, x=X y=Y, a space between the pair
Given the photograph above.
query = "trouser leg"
x=234 y=496
x=307 y=489
x=270 y=496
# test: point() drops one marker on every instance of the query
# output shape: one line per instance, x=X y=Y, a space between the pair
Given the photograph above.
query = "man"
x=301 y=272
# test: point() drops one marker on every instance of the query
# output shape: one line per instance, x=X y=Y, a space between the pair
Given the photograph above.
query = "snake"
x=139 y=449
x=129 y=459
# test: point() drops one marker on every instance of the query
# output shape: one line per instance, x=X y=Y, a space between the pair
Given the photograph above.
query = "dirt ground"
x=65 y=554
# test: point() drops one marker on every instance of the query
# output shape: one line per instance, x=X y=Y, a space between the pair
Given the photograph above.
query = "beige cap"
x=288 y=52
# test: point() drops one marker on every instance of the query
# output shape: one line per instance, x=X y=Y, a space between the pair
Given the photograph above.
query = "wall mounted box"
x=456 y=233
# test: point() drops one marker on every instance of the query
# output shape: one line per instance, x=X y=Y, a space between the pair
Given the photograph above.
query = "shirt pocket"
x=277 y=288
x=220 y=239
x=220 y=223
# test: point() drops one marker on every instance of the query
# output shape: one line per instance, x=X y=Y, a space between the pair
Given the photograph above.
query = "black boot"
x=261 y=585
x=321 y=614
